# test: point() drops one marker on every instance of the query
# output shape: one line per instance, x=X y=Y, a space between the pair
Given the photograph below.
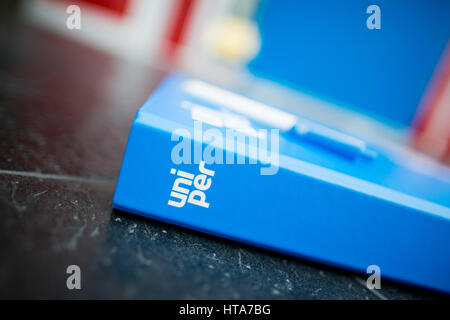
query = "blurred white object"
x=137 y=35
x=234 y=38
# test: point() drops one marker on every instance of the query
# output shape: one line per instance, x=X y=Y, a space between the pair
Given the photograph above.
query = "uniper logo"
x=201 y=182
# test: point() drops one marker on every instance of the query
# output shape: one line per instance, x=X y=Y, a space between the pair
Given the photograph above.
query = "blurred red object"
x=432 y=125
x=119 y=7
x=178 y=26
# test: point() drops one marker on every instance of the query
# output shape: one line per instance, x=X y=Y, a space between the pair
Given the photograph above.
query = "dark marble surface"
x=65 y=112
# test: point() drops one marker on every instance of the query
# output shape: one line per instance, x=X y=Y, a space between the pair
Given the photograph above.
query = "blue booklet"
x=214 y=161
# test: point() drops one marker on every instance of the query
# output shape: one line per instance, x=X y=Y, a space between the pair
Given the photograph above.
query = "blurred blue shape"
x=325 y=48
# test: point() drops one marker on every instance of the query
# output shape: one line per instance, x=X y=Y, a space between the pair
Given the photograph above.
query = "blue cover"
x=328 y=197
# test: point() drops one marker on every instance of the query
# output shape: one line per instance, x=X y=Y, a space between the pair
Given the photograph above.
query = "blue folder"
x=302 y=189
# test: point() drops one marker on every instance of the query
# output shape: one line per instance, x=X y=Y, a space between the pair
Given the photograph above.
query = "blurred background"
x=73 y=74
x=388 y=84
